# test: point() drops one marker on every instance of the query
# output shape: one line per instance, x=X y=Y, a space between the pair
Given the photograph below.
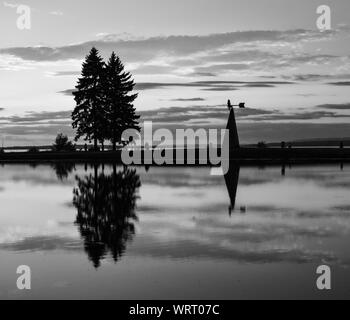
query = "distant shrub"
x=33 y=150
x=262 y=144
x=62 y=143
x=2 y=150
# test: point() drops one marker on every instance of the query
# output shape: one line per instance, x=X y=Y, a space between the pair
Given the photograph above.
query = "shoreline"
x=241 y=156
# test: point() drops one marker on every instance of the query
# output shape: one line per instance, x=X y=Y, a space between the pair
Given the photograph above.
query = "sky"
x=188 y=57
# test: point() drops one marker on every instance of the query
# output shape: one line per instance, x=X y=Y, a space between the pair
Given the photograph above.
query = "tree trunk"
x=95 y=144
x=114 y=140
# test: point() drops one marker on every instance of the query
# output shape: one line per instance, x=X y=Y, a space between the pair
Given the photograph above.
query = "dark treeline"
x=104 y=101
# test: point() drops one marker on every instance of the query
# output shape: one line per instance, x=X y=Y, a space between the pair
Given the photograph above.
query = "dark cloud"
x=343 y=106
x=34 y=117
x=147 y=49
x=238 y=55
x=220 y=88
x=216 y=68
x=340 y=83
x=211 y=85
x=317 y=77
x=306 y=58
x=188 y=99
x=202 y=85
x=243 y=83
x=201 y=74
x=312 y=115
x=181 y=114
x=205 y=112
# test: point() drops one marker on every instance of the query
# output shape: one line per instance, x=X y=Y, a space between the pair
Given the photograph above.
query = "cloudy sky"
x=188 y=57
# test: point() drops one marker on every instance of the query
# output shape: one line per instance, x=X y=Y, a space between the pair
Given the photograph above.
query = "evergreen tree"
x=89 y=115
x=121 y=114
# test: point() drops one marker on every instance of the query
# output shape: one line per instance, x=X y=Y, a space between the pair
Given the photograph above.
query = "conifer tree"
x=121 y=114
x=89 y=117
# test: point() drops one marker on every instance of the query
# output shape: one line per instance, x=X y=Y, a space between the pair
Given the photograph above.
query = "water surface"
x=174 y=233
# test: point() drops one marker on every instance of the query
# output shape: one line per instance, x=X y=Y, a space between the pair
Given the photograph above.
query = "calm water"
x=174 y=233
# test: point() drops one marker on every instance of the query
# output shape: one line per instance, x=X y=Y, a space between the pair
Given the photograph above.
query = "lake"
x=104 y=232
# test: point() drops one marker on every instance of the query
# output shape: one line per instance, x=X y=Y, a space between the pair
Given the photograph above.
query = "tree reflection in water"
x=106 y=206
x=63 y=169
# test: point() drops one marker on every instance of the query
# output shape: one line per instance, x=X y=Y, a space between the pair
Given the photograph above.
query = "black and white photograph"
x=162 y=150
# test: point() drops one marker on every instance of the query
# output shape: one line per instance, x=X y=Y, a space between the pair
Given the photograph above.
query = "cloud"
x=36 y=127
x=201 y=74
x=258 y=60
x=340 y=83
x=188 y=99
x=174 y=46
x=244 y=52
x=342 y=106
x=216 y=68
x=66 y=73
x=252 y=122
x=34 y=117
x=211 y=85
x=154 y=69
x=202 y=85
x=317 y=77
x=312 y=115
x=191 y=113
x=203 y=114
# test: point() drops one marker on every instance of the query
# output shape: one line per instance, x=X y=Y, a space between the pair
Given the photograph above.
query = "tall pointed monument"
x=232 y=127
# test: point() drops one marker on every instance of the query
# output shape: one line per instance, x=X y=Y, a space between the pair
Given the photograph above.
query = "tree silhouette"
x=88 y=116
x=62 y=143
x=119 y=99
x=63 y=169
x=105 y=211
